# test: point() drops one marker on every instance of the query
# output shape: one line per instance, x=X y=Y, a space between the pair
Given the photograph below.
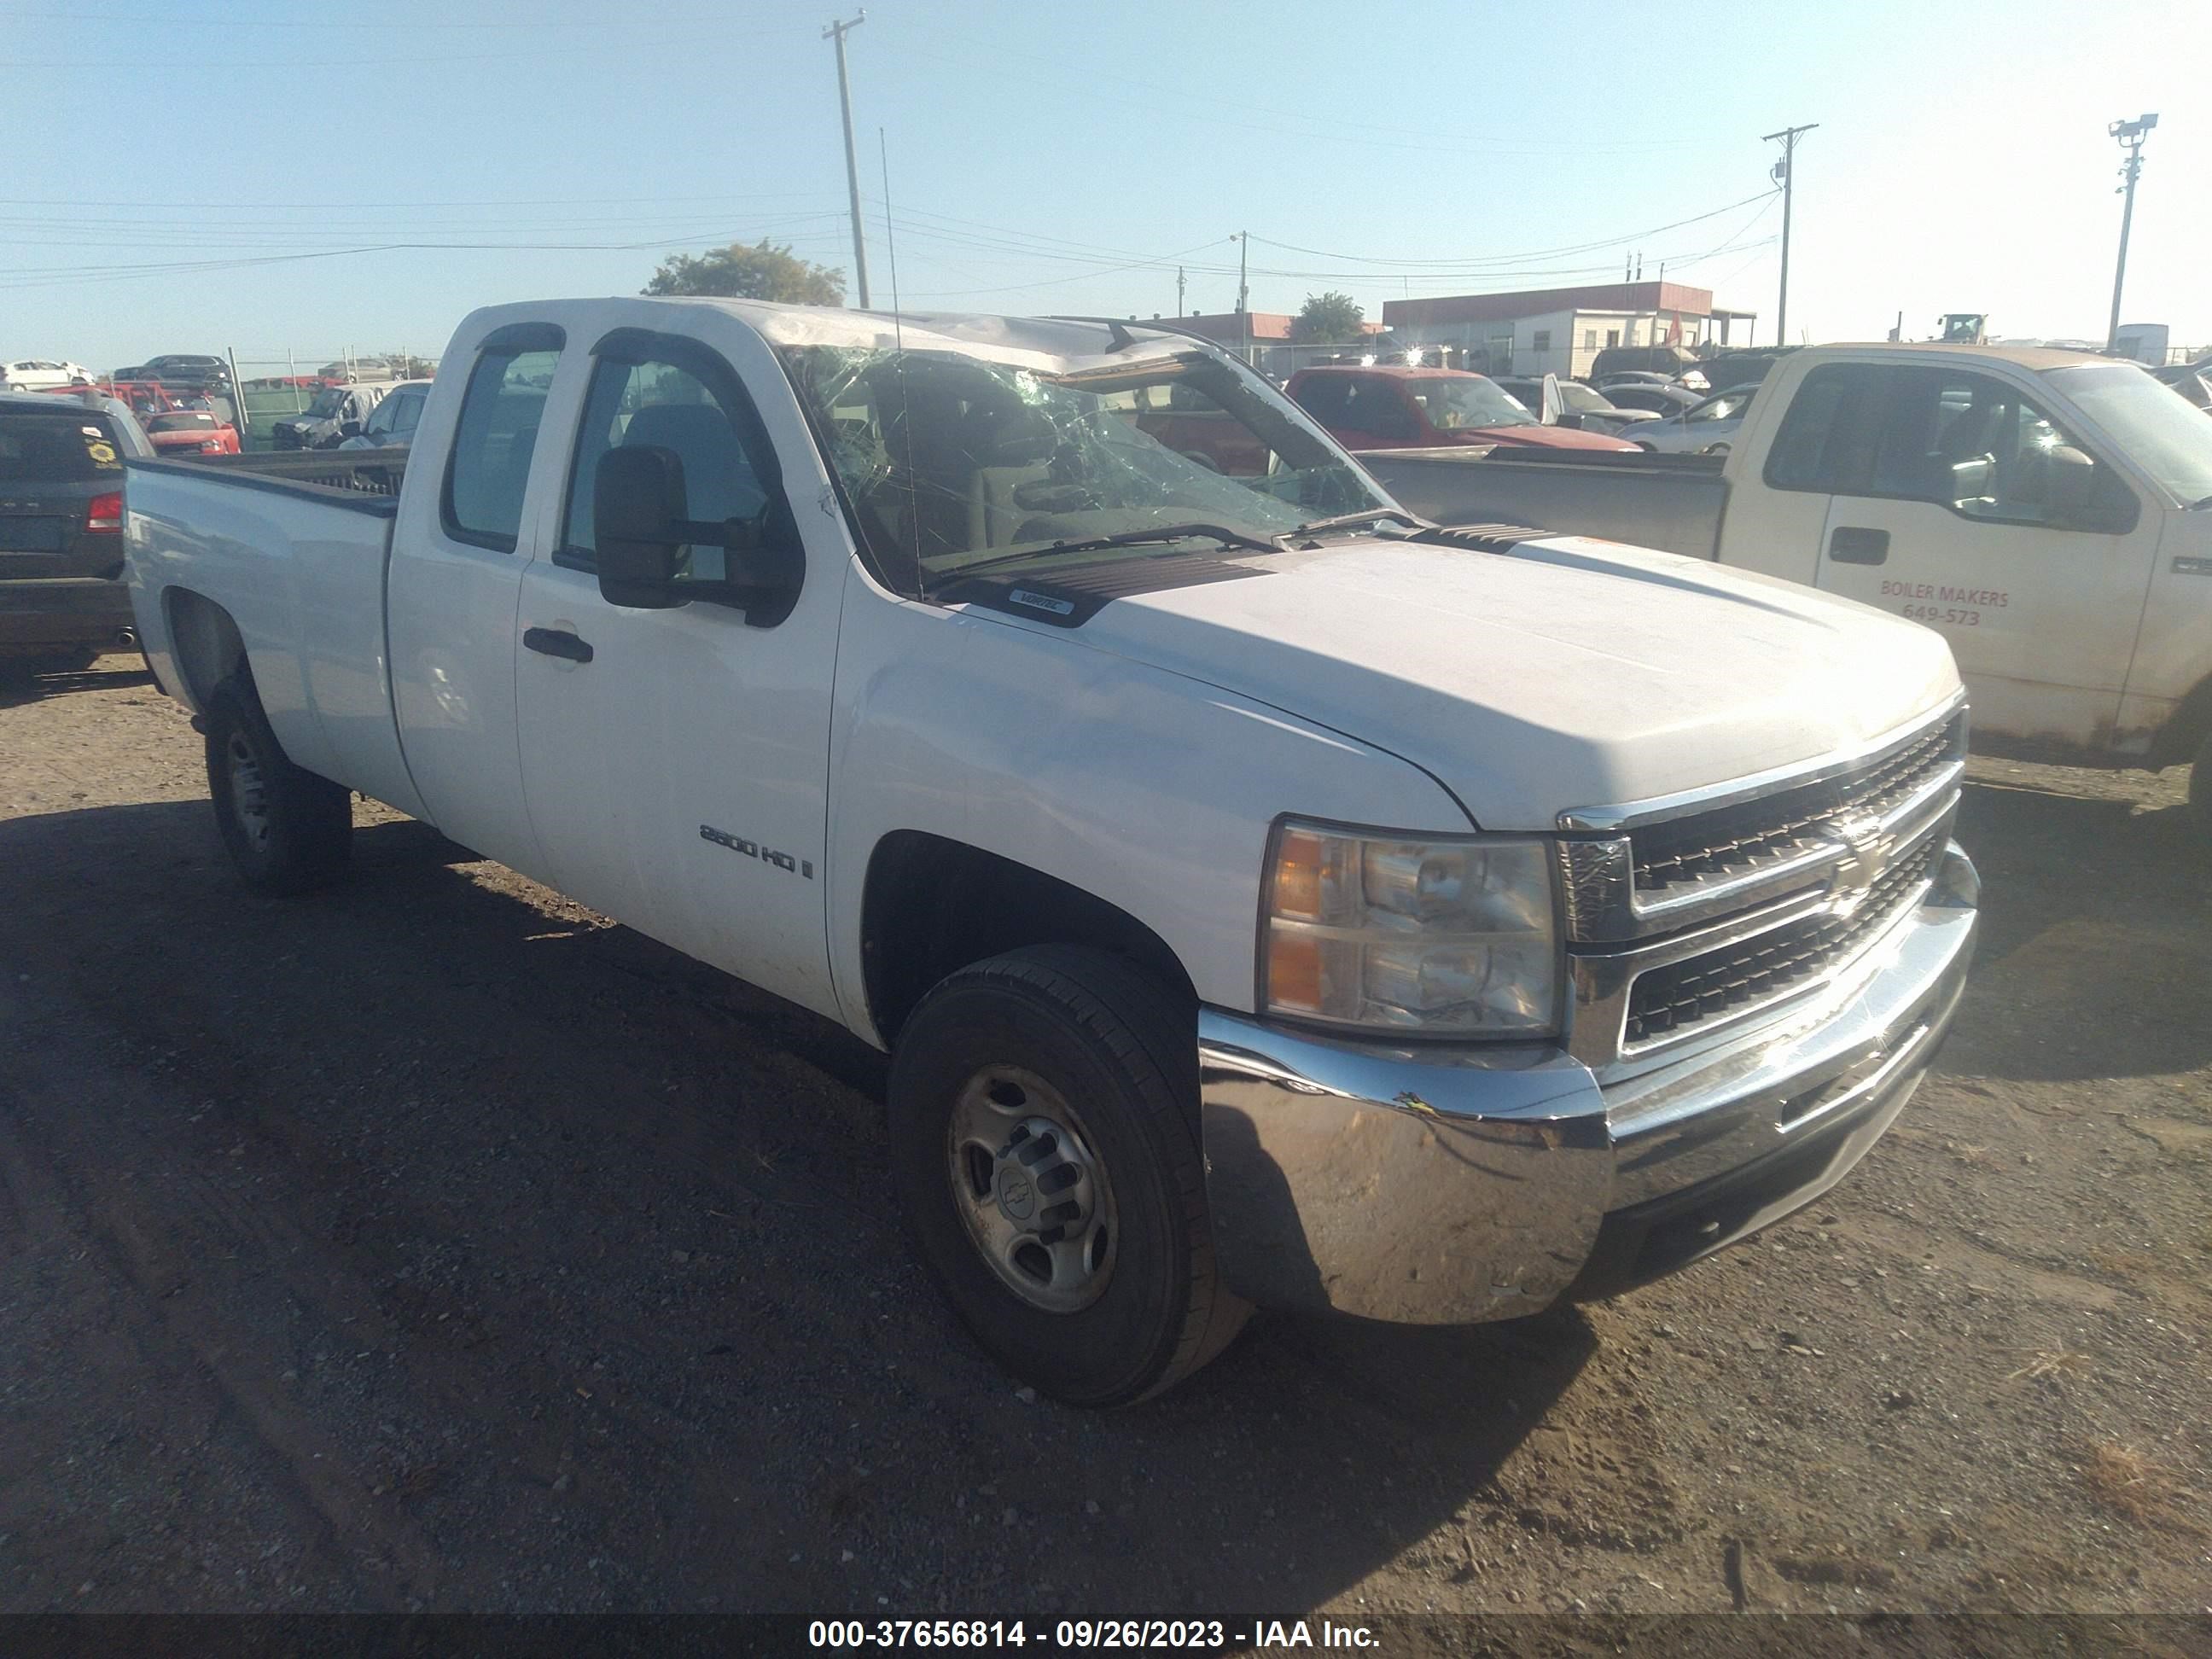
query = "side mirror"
x=350 y=428
x=638 y=509
x=2085 y=495
x=2071 y=481
x=640 y=522
x=1970 y=480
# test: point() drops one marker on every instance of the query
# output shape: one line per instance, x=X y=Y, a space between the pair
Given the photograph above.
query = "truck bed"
x=1673 y=502
x=295 y=548
x=368 y=479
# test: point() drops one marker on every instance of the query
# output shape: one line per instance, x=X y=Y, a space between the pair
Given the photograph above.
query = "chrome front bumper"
x=1439 y=1185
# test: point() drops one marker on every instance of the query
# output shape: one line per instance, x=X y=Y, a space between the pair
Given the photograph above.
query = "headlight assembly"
x=1428 y=935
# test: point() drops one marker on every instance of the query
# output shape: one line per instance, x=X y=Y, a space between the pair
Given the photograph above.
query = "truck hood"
x=1564 y=673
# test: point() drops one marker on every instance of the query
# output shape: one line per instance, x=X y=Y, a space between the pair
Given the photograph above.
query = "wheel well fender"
x=933 y=905
x=205 y=643
x=2176 y=741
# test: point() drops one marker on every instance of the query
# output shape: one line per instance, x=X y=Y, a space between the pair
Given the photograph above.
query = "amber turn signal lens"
x=1294 y=971
x=1298 y=857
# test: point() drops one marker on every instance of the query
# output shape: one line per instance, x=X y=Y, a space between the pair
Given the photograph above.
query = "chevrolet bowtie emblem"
x=1868 y=849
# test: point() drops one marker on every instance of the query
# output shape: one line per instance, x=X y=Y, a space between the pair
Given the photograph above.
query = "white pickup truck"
x=2049 y=512
x=1263 y=900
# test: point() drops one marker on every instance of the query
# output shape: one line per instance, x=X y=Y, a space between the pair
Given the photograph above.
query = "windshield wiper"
x=1345 y=520
x=1170 y=532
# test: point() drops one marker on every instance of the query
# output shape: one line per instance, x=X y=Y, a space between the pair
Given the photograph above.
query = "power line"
x=1473 y=261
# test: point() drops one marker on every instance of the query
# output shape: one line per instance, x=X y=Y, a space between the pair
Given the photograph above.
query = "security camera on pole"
x=2131 y=135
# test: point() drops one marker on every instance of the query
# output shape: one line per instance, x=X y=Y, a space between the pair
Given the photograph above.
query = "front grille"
x=1666 y=1001
x=1733 y=841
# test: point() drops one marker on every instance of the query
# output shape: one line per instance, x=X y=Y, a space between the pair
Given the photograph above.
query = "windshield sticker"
x=101 y=453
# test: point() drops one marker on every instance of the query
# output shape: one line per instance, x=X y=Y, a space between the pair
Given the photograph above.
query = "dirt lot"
x=435 y=1244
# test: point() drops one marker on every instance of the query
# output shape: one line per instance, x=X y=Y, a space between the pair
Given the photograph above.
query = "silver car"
x=1705 y=428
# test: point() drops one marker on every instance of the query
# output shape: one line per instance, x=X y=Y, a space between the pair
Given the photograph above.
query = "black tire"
x=287 y=830
x=1098 y=1031
x=2200 y=789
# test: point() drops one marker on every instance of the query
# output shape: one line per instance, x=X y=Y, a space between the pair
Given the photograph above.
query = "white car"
x=1705 y=428
x=40 y=374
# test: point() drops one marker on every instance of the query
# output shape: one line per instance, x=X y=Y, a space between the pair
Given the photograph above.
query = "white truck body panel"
x=305 y=583
x=1572 y=648
x=2085 y=642
x=1064 y=753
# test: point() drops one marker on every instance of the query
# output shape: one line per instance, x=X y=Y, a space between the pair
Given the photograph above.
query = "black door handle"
x=1851 y=545
x=556 y=642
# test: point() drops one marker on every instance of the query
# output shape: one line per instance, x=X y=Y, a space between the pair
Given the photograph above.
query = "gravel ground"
x=435 y=1244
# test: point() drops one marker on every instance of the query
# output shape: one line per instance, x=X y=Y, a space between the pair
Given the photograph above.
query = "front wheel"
x=287 y=830
x=1044 y=1139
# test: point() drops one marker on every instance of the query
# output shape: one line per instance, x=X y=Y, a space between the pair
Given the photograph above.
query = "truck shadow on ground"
x=616 y=1234
x=18 y=688
x=2073 y=888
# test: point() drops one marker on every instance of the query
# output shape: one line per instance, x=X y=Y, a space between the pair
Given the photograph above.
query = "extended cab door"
x=676 y=761
x=1958 y=500
x=458 y=553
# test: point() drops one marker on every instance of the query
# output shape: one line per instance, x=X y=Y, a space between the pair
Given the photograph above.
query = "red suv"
x=1391 y=408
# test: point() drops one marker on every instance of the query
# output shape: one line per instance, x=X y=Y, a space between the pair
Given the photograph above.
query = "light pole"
x=837 y=31
x=2131 y=135
x=1785 y=175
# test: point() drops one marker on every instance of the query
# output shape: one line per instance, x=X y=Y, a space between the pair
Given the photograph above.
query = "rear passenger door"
x=676 y=761
x=459 y=551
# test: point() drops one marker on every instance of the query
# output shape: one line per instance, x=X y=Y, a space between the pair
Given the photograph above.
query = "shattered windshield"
x=950 y=459
x=327 y=403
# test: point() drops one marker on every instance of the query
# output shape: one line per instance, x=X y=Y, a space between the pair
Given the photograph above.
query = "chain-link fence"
x=271 y=384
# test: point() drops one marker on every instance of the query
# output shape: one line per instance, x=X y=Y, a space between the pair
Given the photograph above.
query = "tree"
x=1330 y=317
x=762 y=271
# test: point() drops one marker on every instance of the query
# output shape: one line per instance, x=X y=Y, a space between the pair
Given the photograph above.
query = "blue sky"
x=1053 y=156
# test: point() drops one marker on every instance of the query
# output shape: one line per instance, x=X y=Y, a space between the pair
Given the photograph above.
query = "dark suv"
x=63 y=598
x=1644 y=359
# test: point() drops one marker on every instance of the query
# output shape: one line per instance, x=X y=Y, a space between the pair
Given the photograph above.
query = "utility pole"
x=1179 y=304
x=1785 y=175
x=837 y=31
x=1243 y=290
x=2131 y=135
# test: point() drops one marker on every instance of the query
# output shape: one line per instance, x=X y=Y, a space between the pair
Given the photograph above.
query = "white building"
x=1560 y=331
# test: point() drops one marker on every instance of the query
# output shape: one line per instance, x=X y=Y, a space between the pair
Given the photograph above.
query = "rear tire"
x=287 y=830
x=1044 y=1138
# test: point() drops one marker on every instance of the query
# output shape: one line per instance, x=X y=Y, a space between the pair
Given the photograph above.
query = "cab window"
x=489 y=470
x=681 y=399
x=1977 y=444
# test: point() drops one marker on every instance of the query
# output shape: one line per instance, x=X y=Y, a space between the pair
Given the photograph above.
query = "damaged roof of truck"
x=1052 y=345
